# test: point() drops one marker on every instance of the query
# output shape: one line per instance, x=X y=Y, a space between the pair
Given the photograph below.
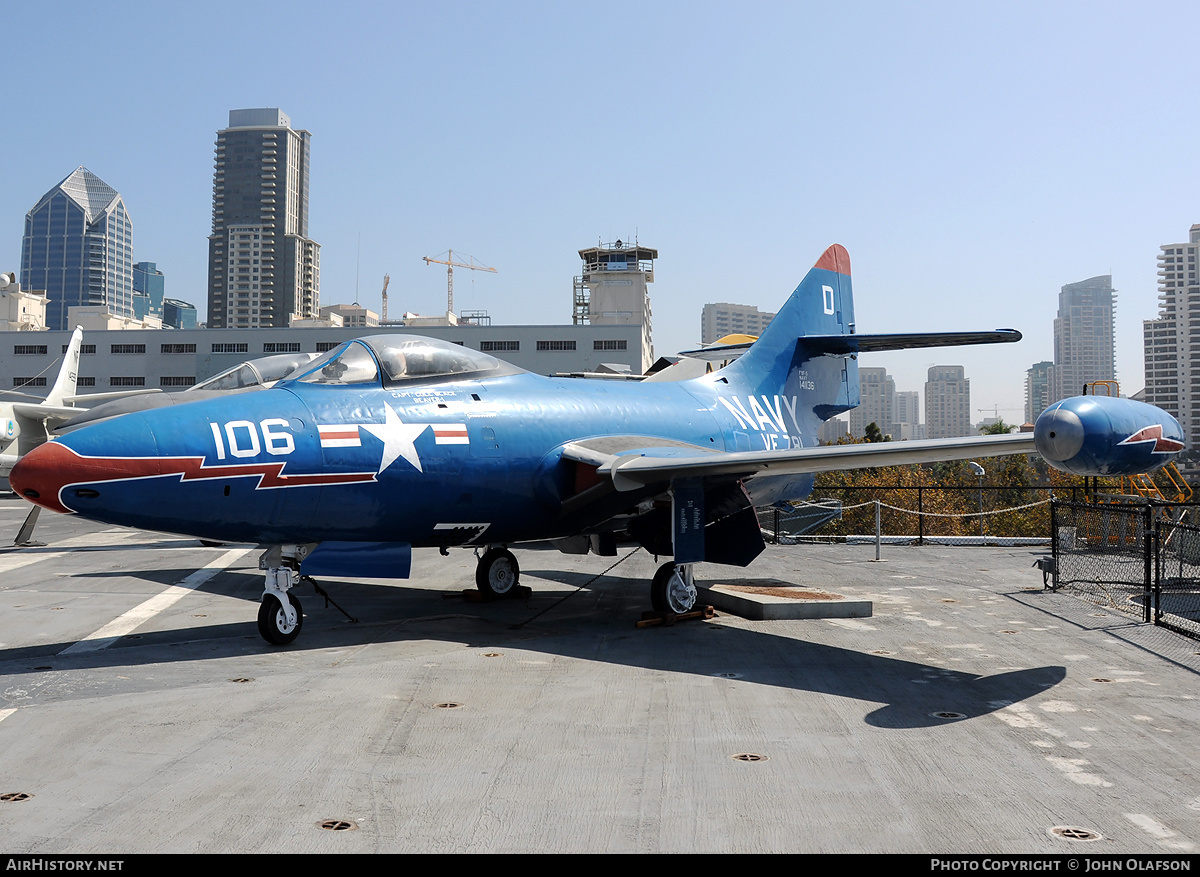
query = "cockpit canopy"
x=265 y=370
x=398 y=359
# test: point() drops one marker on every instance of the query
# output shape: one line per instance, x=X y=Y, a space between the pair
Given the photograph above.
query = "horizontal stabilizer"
x=44 y=412
x=840 y=345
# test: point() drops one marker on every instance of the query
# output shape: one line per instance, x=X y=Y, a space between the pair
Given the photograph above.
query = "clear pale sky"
x=973 y=158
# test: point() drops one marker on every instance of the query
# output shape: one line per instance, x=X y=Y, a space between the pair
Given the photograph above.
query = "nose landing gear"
x=276 y=625
x=280 y=616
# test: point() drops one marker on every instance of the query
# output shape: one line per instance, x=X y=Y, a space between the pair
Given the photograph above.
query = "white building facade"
x=722 y=318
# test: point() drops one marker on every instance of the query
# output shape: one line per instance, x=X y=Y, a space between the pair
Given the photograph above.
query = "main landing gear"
x=497 y=573
x=280 y=616
x=673 y=588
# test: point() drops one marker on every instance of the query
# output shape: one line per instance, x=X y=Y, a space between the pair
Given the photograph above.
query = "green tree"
x=997 y=428
x=874 y=434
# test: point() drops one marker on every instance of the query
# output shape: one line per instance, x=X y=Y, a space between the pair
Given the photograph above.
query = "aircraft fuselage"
x=427 y=464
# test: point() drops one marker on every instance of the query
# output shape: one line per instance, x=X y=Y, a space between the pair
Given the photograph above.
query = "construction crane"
x=996 y=409
x=450 y=266
x=386 y=279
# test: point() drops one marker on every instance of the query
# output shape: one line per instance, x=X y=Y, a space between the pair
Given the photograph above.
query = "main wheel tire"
x=497 y=573
x=669 y=592
x=658 y=587
x=273 y=624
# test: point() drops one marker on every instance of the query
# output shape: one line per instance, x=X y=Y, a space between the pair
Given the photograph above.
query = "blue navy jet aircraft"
x=396 y=441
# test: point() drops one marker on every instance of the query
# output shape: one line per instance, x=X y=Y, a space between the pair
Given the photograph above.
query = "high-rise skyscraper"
x=1170 y=342
x=947 y=402
x=262 y=267
x=1037 y=390
x=877 y=397
x=78 y=246
x=1083 y=336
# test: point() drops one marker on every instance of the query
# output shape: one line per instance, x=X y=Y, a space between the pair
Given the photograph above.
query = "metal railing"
x=965 y=515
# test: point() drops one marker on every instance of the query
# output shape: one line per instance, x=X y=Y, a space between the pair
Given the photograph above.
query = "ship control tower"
x=611 y=290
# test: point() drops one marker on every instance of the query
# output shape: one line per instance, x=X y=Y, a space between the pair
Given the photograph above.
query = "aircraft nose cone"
x=40 y=475
x=1058 y=434
x=33 y=475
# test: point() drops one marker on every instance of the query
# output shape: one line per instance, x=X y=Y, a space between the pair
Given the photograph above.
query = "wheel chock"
x=667 y=619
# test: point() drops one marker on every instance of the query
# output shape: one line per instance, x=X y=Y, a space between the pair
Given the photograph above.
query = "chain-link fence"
x=1140 y=559
x=1103 y=553
x=1177 y=574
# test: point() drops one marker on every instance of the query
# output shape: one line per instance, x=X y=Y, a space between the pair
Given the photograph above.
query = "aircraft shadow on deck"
x=912 y=694
x=51 y=548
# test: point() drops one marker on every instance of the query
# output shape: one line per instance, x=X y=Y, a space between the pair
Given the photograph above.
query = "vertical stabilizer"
x=778 y=363
x=68 y=374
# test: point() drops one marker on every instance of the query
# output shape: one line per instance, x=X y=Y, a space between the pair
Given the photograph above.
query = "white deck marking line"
x=4 y=714
x=1151 y=826
x=13 y=560
x=139 y=615
x=19 y=561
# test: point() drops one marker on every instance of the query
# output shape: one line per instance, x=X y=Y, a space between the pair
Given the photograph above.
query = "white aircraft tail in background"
x=25 y=425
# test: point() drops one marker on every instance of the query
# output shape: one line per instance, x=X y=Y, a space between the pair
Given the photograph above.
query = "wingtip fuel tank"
x=1107 y=435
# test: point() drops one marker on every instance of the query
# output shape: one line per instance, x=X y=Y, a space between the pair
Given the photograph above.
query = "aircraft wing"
x=631 y=467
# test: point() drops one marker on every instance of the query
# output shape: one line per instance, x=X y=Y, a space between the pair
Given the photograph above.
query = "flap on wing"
x=840 y=345
x=631 y=471
x=606 y=449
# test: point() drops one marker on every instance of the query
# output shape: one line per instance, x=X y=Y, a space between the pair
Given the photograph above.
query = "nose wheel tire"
x=672 y=590
x=273 y=623
x=497 y=572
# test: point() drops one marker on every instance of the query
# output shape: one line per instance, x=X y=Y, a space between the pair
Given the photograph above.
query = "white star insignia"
x=397 y=437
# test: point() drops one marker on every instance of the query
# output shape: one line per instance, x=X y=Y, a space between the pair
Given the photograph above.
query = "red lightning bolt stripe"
x=1154 y=434
x=55 y=467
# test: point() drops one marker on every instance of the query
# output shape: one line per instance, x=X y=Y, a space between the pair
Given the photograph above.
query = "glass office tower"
x=78 y=246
